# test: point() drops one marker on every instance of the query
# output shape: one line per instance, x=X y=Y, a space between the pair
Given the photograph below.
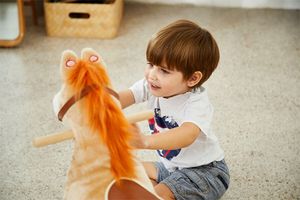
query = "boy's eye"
x=164 y=71
x=150 y=64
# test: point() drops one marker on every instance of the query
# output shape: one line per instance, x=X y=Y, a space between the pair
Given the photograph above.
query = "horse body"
x=89 y=173
x=102 y=154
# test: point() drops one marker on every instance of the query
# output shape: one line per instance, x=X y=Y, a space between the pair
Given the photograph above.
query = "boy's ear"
x=194 y=79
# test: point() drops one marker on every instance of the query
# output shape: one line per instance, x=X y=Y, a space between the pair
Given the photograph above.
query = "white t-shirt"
x=171 y=112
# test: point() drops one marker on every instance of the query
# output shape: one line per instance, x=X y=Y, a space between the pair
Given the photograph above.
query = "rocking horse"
x=103 y=164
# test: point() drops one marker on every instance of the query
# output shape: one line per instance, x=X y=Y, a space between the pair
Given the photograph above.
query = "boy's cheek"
x=146 y=74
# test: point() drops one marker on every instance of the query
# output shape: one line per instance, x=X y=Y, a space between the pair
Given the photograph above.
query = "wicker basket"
x=83 y=19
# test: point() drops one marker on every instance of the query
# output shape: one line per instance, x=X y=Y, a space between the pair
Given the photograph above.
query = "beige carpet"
x=255 y=92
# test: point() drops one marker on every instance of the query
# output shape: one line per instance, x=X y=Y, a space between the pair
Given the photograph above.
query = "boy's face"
x=163 y=82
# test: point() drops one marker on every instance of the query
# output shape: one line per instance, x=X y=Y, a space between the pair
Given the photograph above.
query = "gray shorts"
x=206 y=182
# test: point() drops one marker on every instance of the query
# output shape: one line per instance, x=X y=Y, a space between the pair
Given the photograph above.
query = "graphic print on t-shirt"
x=163 y=122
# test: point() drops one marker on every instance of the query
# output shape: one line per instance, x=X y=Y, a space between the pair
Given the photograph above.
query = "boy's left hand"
x=138 y=138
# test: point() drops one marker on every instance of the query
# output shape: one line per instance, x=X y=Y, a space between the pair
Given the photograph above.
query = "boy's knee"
x=150 y=170
x=164 y=192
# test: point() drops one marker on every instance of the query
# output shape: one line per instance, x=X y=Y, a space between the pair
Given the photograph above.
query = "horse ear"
x=90 y=55
x=68 y=61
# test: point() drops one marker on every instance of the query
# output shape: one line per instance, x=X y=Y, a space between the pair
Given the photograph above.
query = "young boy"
x=181 y=57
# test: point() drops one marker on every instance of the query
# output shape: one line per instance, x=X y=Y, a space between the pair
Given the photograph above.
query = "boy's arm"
x=175 y=138
x=126 y=98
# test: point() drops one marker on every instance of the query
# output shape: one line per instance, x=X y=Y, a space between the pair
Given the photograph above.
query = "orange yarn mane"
x=104 y=117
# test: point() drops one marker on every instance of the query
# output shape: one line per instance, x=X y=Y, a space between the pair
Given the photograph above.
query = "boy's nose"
x=152 y=74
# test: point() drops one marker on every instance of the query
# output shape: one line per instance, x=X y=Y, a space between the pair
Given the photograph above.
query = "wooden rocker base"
x=129 y=190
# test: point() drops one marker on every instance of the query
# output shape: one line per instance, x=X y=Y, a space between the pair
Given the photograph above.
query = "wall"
x=283 y=4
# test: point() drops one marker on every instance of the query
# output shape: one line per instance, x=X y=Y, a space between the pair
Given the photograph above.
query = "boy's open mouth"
x=153 y=86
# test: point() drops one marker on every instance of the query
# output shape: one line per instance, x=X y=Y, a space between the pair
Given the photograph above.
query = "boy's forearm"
x=176 y=138
x=126 y=98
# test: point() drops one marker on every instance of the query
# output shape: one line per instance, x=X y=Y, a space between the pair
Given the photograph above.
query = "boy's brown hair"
x=185 y=47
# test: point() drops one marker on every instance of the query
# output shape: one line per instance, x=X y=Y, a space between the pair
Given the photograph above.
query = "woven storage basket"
x=83 y=19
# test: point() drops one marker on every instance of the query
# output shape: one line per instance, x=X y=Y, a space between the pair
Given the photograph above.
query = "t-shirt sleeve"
x=199 y=111
x=140 y=91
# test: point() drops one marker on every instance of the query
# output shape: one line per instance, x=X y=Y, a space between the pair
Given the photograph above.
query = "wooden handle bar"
x=66 y=135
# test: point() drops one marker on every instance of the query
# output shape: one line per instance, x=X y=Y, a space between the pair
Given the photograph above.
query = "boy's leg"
x=151 y=171
x=205 y=182
x=164 y=191
x=161 y=189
